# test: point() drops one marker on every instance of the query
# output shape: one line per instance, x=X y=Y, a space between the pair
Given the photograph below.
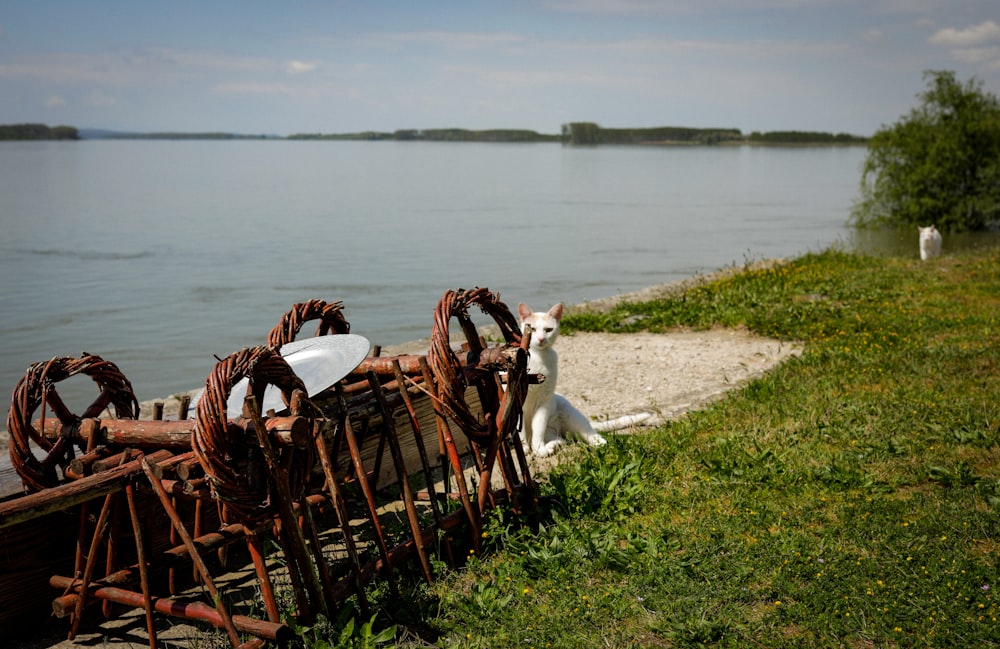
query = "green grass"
x=849 y=498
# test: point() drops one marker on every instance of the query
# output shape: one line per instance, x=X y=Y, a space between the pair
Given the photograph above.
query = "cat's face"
x=926 y=232
x=544 y=326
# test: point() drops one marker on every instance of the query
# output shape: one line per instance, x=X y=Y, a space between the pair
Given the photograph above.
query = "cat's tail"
x=620 y=422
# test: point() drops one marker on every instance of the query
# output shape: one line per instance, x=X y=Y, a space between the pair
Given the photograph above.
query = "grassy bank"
x=849 y=498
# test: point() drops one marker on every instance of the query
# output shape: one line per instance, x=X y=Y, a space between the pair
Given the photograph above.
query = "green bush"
x=939 y=165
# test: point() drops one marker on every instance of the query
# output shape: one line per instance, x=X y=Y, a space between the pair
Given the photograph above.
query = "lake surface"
x=161 y=255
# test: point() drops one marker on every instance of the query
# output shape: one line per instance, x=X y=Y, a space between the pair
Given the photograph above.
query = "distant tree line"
x=182 y=136
x=574 y=133
x=37 y=132
x=804 y=137
x=437 y=135
x=589 y=134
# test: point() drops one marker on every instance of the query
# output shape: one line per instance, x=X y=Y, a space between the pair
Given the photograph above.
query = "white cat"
x=930 y=242
x=548 y=416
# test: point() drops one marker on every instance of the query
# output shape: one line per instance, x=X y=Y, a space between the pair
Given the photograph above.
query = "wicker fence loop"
x=37 y=387
x=451 y=378
x=228 y=454
x=330 y=315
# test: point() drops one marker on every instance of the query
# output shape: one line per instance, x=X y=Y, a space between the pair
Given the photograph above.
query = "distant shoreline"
x=573 y=134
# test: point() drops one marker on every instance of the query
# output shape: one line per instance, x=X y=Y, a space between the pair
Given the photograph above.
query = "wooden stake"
x=220 y=606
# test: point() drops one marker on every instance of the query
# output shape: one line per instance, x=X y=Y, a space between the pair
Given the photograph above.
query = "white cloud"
x=662 y=8
x=272 y=88
x=255 y=88
x=535 y=78
x=137 y=66
x=464 y=41
x=101 y=99
x=977 y=55
x=872 y=36
x=55 y=101
x=300 y=67
x=605 y=6
x=736 y=50
x=976 y=35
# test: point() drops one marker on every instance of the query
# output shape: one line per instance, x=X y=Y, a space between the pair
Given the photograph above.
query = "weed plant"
x=848 y=498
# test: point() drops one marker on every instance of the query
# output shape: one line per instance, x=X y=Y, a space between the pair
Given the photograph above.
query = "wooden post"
x=88 y=570
x=343 y=519
x=295 y=545
x=471 y=512
x=263 y=576
x=422 y=452
x=359 y=470
x=402 y=475
x=140 y=551
x=220 y=606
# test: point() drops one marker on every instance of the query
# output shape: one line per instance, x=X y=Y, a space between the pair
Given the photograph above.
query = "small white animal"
x=930 y=242
x=547 y=415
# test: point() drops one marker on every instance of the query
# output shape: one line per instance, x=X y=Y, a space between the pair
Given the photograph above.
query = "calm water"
x=159 y=255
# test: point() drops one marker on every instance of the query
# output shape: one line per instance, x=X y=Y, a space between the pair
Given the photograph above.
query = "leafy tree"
x=586 y=133
x=938 y=165
x=37 y=132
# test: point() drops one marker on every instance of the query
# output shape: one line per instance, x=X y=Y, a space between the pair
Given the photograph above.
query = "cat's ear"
x=556 y=311
x=523 y=311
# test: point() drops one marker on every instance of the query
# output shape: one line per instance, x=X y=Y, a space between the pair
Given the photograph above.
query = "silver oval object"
x=320 y=362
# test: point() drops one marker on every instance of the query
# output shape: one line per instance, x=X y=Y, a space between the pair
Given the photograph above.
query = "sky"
x=345 y=66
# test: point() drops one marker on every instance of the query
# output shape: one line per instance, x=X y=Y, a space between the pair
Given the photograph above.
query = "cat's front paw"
x=548 y=448
x=596 y=440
